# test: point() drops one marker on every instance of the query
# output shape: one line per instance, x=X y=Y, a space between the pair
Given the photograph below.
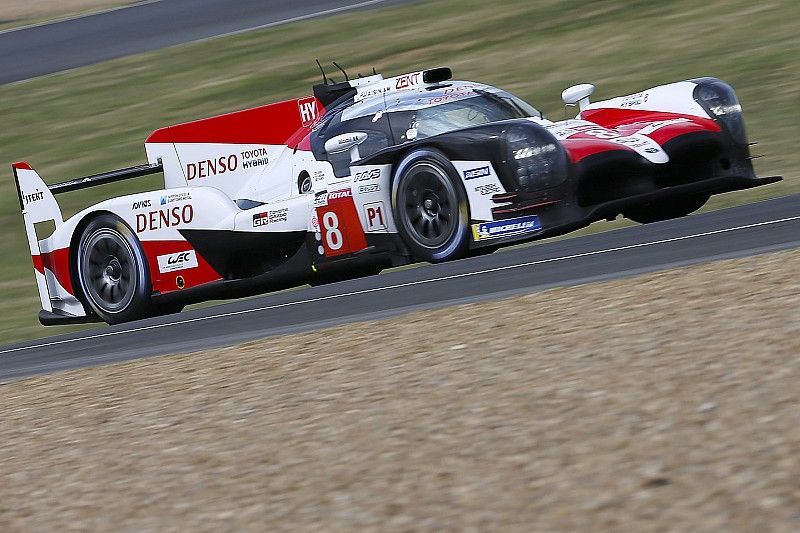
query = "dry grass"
x=664 y=402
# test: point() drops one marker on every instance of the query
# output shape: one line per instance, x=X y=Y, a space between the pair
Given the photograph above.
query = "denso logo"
x=212 y=167
x=166 y=218
x=336 y=195
x=407 y=81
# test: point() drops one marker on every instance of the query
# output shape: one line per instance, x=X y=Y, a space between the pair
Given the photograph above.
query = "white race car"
x=370 y=173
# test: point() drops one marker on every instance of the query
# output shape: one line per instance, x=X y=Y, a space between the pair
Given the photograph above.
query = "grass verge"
x=95 y=118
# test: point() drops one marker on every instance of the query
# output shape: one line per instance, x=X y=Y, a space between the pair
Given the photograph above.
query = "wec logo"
x=177 y=261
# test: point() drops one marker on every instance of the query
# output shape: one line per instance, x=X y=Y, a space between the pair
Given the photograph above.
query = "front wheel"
x=112 y=271
x=657 y=211
x=430 y=206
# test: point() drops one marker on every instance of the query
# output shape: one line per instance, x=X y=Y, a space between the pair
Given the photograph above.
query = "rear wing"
x=38 y=204
x=38 y=199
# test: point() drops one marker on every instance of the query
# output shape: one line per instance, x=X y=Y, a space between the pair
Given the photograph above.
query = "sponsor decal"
x=489 y=188
x=308 y=111
x=141 y=204
x=270 y=217
x=408 y=80
x=338 y=195
x=177 y=197
x=212 y=167
x=366 y=189
x=450 y=95
x=362 y=95
x=164 y=218
x=321 y=199
x=255 y=158
x=33 y=197
x=177 y=261
x=374 y=215
x=504 y=228
x=634 y=100
x=318 y=175
x=367 y=175
x=479 y=172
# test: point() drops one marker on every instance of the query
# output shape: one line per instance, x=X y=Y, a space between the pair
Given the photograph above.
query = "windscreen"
x=433 y=120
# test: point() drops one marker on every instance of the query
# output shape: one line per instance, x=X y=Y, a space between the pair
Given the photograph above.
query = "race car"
x=369 y=173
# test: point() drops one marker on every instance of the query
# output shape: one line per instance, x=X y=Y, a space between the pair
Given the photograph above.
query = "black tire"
x=112 y=271
x=658 y=211
x=430 y=206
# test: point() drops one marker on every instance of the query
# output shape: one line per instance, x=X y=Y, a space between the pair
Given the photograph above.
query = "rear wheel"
x=657 y=211
x=430 y=206
x=112 y=271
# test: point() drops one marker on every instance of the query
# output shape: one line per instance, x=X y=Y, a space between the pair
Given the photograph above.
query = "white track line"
x=401 y=285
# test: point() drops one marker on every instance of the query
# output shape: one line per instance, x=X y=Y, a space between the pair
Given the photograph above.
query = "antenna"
x=324 y=77
x=346 y=77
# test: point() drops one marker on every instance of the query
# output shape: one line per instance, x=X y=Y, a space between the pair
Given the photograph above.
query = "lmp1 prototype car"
x=369 y=173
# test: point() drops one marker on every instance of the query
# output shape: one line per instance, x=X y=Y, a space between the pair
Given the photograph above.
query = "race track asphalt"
x=39 y=50
x=746 y=230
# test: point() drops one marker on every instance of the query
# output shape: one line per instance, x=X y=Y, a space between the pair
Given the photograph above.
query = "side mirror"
x=578 y=94
x=344 y=142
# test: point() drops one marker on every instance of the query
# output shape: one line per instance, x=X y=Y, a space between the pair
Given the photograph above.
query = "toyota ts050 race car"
x=370 y=173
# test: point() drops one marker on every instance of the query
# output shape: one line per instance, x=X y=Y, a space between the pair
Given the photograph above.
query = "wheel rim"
x=108 y=270
x=430 y=205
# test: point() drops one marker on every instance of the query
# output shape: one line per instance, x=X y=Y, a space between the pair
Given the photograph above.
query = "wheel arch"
x=74 y=243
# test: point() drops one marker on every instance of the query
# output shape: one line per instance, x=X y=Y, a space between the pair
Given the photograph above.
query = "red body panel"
x=340 y=226
x=611 y=123
x=56 y=262
x=269 y=124
x=168 y=281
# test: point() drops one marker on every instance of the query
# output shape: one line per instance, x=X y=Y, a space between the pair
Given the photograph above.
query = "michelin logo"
x=503 y=228
x=479 y=172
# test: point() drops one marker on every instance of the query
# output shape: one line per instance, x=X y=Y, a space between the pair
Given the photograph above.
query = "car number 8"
x=333 y=236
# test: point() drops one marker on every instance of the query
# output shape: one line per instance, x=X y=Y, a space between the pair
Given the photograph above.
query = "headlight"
x=720 y=102
x=535 y=157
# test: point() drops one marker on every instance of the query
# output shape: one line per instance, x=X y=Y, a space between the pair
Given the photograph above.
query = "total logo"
x=177 y=261
x=338 y=195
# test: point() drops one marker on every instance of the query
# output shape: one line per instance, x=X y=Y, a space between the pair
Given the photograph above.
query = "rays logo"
x=504 y=228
